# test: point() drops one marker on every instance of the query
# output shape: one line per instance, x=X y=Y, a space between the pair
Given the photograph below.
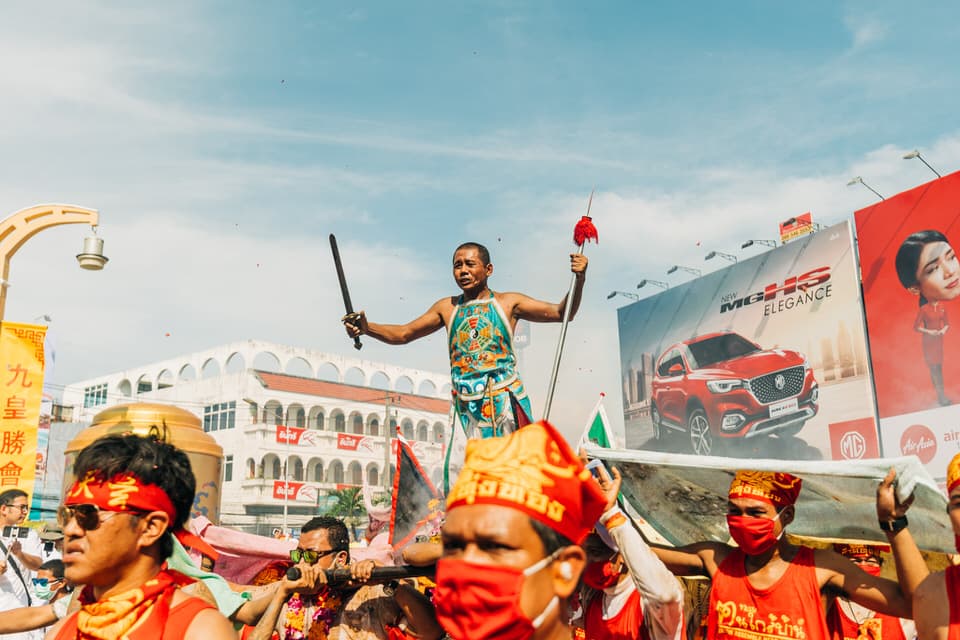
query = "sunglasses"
x=45 y=582
x=88 y=515
x=309 y=555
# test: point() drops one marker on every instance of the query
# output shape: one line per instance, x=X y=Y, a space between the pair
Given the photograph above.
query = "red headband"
x=125 y=492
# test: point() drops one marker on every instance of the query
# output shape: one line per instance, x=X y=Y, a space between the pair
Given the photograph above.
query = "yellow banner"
x=21 y=391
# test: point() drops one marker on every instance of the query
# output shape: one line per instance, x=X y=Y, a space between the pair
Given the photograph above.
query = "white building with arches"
x=244 y=390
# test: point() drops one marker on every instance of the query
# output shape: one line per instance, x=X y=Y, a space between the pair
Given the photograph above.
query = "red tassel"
x=585 y=231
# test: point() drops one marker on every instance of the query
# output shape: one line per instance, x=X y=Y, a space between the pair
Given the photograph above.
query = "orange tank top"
x=788 y=609
x=878 y=625
x=952 y=577
x=178 y=621
x=626 y=625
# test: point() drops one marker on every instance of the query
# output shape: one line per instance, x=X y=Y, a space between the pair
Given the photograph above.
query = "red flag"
x=415 y=499
x=520 y=417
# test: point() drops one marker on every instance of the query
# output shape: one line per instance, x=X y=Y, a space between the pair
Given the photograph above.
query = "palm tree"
x=348 y=507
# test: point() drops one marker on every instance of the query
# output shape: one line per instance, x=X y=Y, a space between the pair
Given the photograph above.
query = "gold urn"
x=184 y=431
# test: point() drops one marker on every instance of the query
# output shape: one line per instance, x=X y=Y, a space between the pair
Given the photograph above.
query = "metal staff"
x=343 y=284
x=583 y=232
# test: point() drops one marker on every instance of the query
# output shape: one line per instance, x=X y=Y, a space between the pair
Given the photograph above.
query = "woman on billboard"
x=927 y=267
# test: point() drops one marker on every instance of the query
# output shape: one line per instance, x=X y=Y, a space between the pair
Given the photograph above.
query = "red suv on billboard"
x=720 y=387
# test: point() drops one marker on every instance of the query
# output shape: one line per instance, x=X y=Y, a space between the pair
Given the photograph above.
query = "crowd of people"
x=533 y=545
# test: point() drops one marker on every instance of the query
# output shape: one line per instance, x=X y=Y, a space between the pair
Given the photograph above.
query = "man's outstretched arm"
x=527 y=308
x=358 y=325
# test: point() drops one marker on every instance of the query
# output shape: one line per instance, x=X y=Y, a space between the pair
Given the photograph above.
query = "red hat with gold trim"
x=535 y=471
x=775 y=487
x=857 y=551
x=953 y=473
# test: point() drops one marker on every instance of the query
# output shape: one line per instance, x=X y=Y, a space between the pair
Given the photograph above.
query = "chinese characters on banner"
x=21 y=391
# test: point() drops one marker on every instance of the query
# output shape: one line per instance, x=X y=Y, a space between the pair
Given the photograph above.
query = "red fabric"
x=952 y=577
x=776 y=488
x=119 y=493
x=535 y=471
x=520 y=417
x=843 y=628
x=626 y=625
x=585 y=231
x=790 y=608
x=174 y=625
x=934 y=318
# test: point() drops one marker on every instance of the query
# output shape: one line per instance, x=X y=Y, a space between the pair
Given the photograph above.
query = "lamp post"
x=916 y=154
x=680 y=267
x=859 y=180
x=725 y=256
x=656 y=283
x=24 y=224
x=766 y=243
x=625 y=294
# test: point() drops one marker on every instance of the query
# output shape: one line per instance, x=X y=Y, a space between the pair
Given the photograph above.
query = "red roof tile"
x=325 y=389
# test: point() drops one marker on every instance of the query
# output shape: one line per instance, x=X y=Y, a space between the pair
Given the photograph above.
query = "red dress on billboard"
x=788 y=609
x=932 y=316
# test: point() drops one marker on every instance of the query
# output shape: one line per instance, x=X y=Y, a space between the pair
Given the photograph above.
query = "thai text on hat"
x=535 y=471
x=774 y=487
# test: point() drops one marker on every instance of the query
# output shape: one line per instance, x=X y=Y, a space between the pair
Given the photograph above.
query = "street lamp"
x=24 y=224
x=656 y=283
x=625 y=294
x=766 y=243
x=725 y=256
x=916 y=154
x=680 y=267
x=859 y=180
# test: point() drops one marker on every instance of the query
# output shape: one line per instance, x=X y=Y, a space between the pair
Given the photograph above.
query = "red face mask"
x=872 y=569
x=479 y=601
x=753 y=535
x=600 y=575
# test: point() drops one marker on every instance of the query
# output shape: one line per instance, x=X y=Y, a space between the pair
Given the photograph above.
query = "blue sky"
x=222 y=142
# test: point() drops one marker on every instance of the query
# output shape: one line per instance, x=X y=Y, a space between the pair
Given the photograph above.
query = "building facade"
x=295 y=424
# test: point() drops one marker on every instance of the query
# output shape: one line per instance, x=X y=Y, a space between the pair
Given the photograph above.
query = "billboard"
x=766 y=358
x=911 y=290
x=796 y=227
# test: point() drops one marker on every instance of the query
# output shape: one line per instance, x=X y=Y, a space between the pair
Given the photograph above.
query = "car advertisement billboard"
x=911 y=289
x=766 y=358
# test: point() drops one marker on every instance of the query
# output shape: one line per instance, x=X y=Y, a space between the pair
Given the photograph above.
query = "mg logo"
x=779 y=382
x=853 y=445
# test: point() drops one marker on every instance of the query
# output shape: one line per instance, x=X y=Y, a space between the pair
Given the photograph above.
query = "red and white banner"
x=296 y=491
x=289 y=435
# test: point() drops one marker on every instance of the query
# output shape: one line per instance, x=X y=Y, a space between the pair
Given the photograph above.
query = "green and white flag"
x=597 y=431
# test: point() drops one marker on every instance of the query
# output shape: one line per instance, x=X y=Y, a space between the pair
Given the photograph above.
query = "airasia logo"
x=853 y=445
x=918 y=440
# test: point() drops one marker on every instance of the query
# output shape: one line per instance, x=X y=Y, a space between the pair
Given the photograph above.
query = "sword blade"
x=344 y=291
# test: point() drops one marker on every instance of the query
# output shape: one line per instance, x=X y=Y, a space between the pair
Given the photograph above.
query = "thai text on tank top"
x=863 y=624
x=790 y=609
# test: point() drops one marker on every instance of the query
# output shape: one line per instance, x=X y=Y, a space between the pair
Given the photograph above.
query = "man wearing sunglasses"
x=132 y=495
x=353 y=610
x=17 y=556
